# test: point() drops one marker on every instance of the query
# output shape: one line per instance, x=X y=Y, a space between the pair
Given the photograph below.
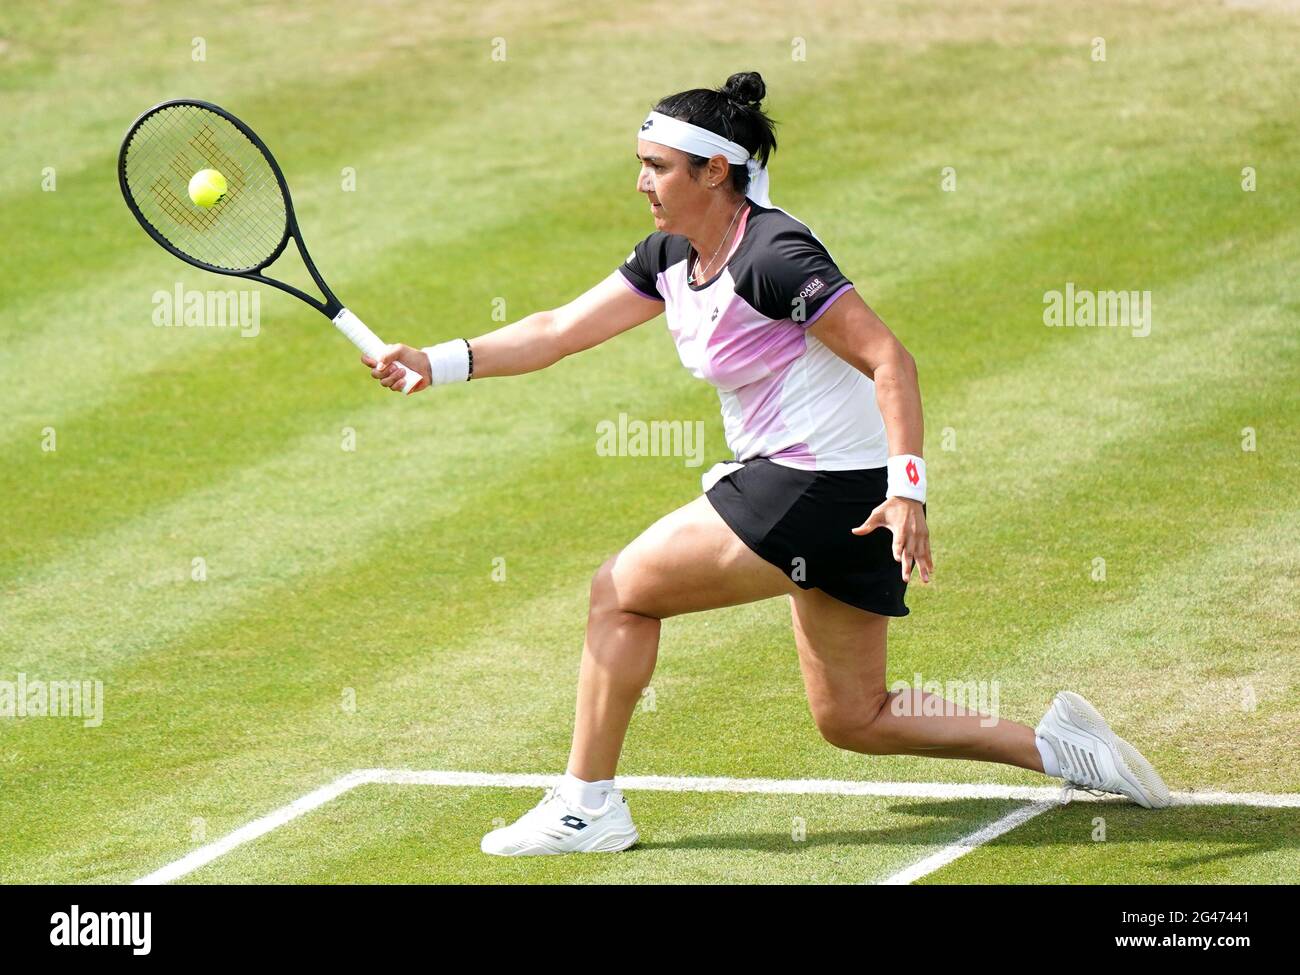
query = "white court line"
x=1017 y=817
x=258 y=827
x=839 y=787
x=1045 y=795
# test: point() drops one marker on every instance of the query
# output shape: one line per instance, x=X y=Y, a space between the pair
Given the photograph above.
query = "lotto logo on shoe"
x=811 y=287
x=573 y=822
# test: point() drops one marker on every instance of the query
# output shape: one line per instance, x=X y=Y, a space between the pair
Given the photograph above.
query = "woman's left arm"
x=854 y=332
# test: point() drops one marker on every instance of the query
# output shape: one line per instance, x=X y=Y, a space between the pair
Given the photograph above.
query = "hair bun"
x=745 y=88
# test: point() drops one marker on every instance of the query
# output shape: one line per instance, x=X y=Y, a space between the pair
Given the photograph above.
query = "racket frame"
x=331 y=307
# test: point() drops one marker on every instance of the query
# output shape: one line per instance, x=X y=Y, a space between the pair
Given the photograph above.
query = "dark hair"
x=731 y=111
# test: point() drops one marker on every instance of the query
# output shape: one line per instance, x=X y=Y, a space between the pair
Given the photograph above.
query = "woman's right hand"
x=386 y=371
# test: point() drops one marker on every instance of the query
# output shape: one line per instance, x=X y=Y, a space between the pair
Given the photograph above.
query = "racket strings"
x=205 y=140
x=242 y=231
x=239 y=232
x=261 y=229
x=200 y=218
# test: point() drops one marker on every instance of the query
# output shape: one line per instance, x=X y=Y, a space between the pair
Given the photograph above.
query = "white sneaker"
x=553 y=826
x=1094 y=758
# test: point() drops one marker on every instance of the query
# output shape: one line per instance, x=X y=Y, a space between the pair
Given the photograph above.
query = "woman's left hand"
x=905 y=518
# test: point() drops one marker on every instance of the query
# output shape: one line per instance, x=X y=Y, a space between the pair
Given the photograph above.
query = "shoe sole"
x=1132 y=764
x=614 y=841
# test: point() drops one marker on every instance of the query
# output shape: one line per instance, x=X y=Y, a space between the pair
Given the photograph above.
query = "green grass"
x=385 y=834
x=1092 y=843
x=371 y=570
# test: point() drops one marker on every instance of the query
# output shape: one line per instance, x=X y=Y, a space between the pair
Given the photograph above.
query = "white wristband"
x=906 y=477
x=448 y=362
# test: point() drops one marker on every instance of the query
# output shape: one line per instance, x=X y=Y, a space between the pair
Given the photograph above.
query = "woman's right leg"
x=687 y=561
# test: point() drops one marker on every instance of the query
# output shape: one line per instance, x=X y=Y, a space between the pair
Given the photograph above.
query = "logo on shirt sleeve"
x=631 y=257
x=812 y=286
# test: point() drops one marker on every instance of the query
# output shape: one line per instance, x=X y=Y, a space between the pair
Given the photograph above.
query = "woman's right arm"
x=542 y=338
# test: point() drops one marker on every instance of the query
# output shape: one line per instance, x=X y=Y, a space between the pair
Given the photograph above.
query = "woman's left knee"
x=853 y=726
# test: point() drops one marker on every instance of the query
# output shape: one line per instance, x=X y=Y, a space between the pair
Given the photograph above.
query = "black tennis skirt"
x=799 y=521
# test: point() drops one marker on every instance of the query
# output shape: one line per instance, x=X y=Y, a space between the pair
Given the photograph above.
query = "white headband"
x=699 y=141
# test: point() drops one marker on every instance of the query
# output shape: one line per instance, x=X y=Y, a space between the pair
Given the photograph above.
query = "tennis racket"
x=243 y=233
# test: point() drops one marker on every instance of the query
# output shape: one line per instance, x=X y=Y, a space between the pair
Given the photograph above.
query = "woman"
x=824 y=503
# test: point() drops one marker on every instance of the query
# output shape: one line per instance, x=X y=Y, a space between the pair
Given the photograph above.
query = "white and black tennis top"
x=785 y=395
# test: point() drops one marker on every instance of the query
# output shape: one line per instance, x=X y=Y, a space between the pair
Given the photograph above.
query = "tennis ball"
x=207 y=187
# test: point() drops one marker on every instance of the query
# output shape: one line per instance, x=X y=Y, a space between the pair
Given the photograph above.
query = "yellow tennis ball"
x=207 y=187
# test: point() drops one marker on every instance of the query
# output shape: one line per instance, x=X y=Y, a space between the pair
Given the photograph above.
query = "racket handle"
x=368 y=342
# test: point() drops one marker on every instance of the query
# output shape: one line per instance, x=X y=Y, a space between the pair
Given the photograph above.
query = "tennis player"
x=824 y=501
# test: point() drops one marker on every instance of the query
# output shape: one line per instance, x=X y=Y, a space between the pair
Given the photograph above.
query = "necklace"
x=703 y=271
